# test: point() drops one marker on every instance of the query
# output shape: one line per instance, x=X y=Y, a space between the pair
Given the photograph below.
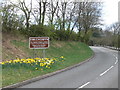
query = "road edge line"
x=84 y=85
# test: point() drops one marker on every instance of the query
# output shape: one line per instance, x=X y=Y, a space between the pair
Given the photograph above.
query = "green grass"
x=0 y=76
x=74 y=52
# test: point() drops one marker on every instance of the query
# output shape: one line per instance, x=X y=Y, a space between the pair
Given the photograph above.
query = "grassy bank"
x=74 y=52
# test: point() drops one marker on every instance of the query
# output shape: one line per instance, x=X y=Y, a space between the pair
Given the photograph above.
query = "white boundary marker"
x=84 y=84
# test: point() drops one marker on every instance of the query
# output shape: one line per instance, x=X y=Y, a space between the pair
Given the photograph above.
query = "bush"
x=62 y=35
x=38 y=31
x=49 y=31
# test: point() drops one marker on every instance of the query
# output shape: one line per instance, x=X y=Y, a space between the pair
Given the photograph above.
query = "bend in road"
x=87 y=75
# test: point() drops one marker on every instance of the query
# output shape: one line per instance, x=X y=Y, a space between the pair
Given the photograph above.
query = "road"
x=99 y=72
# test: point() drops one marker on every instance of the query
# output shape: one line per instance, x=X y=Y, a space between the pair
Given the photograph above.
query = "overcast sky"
x=110 y=12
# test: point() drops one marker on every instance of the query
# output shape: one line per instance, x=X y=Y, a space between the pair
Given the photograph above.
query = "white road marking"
x=116 y=61
x=106 y=71
x=100 y=74
x=84 y=85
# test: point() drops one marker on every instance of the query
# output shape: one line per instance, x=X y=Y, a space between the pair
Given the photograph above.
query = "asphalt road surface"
x=99 y=72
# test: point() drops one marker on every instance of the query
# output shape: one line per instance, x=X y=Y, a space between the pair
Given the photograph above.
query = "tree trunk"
x=39 y=13
x=43 y=14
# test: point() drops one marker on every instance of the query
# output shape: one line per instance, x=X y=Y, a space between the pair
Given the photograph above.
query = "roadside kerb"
x=17 y=85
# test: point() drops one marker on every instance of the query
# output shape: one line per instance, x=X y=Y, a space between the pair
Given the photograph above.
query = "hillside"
x=18 y=47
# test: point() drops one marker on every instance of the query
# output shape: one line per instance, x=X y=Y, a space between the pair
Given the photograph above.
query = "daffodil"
x=62 y=57
x=41 y=69
x=46 y=66
x=3 y=63
x=36 y=68
x=42 y=62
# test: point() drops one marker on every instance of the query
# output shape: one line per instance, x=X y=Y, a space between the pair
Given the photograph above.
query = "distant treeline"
x=65 y=21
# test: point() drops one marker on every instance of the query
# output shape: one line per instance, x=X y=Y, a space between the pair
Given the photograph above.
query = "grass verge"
x=74 y=52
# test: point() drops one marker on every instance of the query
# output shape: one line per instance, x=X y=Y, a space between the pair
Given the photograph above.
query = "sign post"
x=43 y=53
x=39 y=43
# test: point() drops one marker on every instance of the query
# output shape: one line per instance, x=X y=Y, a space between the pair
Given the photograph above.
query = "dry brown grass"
x=8 y=49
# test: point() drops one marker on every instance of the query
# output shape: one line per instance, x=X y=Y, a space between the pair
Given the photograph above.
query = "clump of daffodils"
x=33 y=63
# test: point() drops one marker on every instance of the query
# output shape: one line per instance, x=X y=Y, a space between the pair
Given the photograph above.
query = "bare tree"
x=63 y=11
x=10 y=20
x=52 y=10
x=88 y=16
x=115 y=27
x=43 y=13
x=39 y=12
x=26 y=10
